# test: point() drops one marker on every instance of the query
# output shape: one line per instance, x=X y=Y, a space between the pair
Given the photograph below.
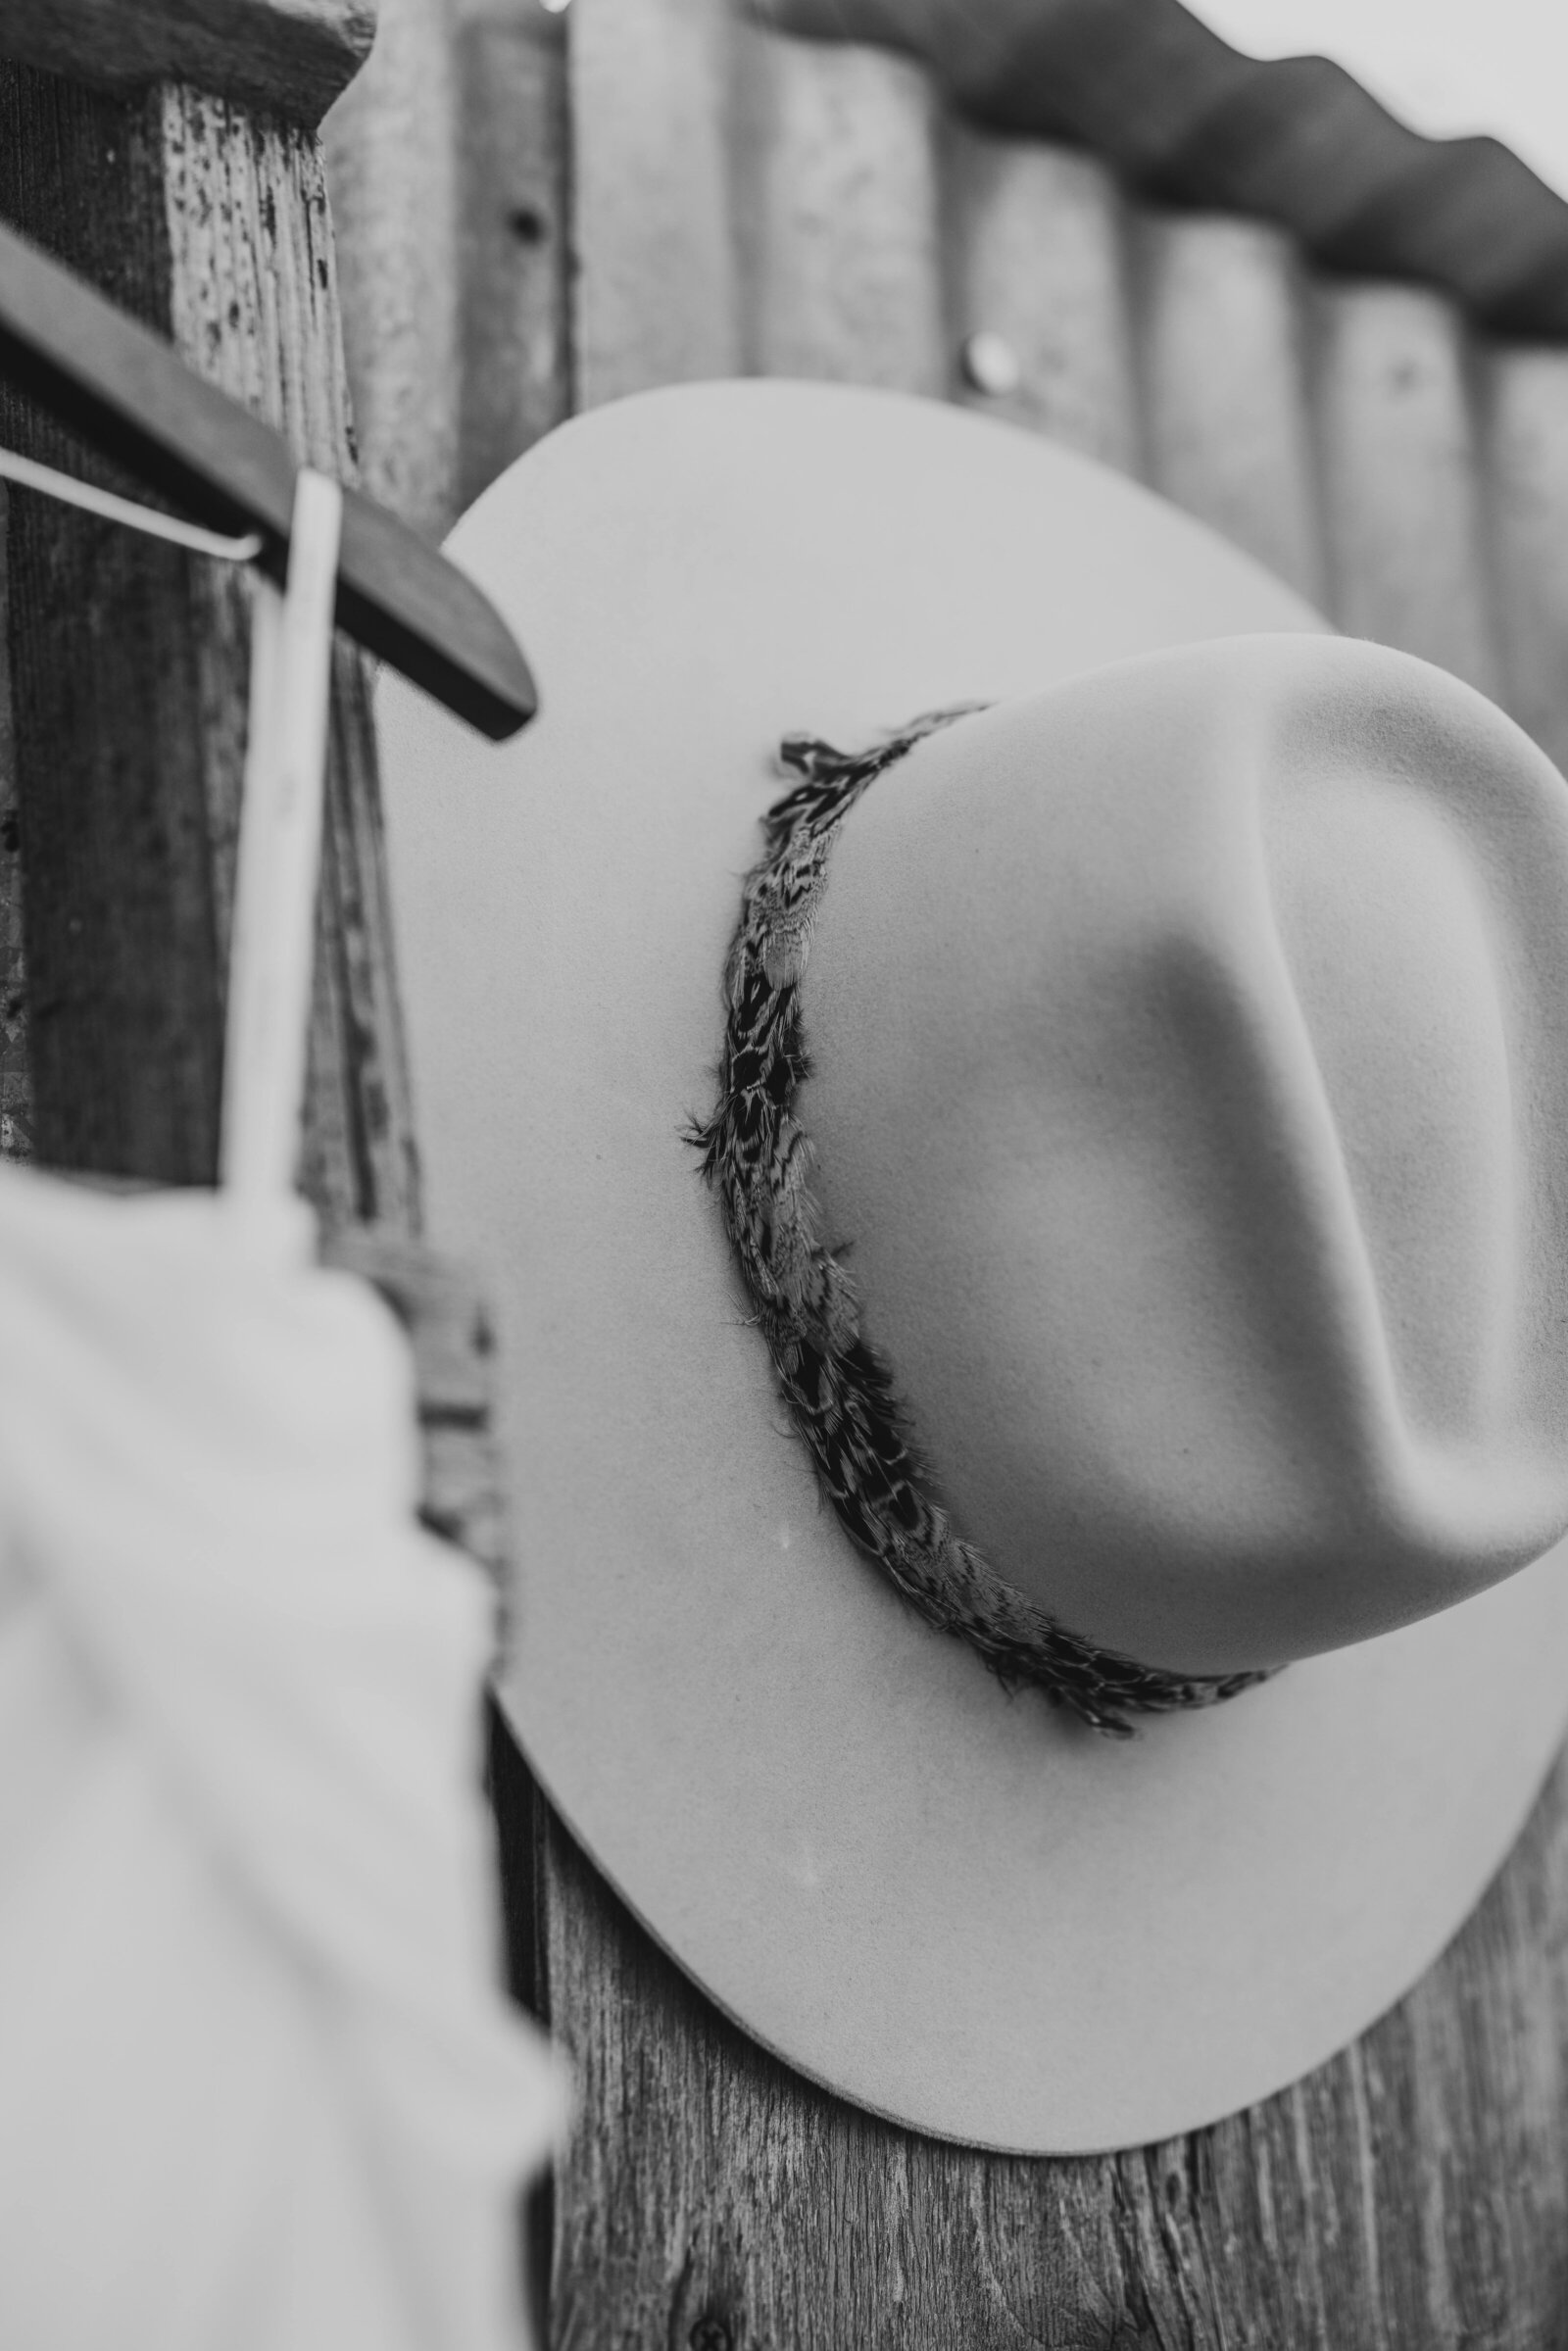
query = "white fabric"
x=258 y=2088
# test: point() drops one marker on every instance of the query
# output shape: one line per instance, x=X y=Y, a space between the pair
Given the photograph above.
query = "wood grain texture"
x=254 y=304
x=1224 y=387
x=129 y=662
x=837 y=199
x=1411 y=2196
x=126 y=390
x=111 y=777
x=1036 y=254
x=391 y=146
x=515 y=231
x=291 y=55
x=1398 y=453
x=654 y=299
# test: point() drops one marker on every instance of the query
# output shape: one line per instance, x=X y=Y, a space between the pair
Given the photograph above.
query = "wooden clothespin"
x=133 y=397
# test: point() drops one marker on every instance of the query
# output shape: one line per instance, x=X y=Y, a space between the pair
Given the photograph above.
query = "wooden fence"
x=537 y=213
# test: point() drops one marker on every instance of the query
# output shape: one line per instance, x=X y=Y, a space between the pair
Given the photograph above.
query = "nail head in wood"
x=991 y=365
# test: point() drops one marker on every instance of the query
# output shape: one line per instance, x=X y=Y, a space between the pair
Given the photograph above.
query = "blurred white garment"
x=258 y=2090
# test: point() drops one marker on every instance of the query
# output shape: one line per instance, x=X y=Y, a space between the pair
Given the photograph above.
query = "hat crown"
x=1184 y=1079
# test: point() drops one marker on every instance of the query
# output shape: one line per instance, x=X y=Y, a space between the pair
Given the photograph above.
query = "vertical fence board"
x=16 y=1067
x=448 y=166
x=654 y=288
x=1398 y=458
x=1037 y=256
x=120 y=938
x=254 y=304
x=1225 y=412
x=129 y=662
x=516 y=208
x=837 y=204
x=391 y=143
x=1525 y=407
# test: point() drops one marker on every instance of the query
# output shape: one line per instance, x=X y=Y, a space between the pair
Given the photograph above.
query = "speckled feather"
x=759 y=1160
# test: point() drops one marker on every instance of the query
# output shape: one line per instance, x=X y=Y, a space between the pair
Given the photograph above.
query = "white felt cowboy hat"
x=1177 y=1292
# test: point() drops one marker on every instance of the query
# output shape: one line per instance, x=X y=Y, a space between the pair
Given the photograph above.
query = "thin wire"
x=71 y=492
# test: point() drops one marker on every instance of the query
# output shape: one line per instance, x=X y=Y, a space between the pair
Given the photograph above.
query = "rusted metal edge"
x=290 y=55
x=1186 y=119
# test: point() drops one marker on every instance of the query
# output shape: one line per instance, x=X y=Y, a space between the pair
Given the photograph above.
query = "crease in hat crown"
x=1280 y=990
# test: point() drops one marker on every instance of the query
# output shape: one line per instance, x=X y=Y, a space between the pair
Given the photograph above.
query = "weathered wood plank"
x=129 y=662
x=654 y=299
x=515 y=226
x=255 y=305
x=1525 y=429
x=1225 y=410
x=1400 y=495
x=120 y=937
x=392 y=167
x=127 y=391
x=16 y=1062
x=1037 y=257
x=291 y=55
x=837 y=201
x=1412 y=2196
x=447 y=162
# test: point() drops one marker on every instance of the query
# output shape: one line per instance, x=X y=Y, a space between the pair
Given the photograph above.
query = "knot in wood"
x=712 y=2333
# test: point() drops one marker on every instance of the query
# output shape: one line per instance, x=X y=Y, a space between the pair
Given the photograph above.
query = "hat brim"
x=952 y=1906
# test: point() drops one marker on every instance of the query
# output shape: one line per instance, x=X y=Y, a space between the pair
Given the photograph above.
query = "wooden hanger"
x=133 y=398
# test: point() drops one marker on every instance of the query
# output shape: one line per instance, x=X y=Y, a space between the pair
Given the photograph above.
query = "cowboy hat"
x=1136 y=1080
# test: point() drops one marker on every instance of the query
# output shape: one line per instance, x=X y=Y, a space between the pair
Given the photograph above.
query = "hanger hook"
x=71 y=492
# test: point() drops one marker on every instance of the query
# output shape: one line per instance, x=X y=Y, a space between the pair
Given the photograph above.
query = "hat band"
x=758 y=1159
